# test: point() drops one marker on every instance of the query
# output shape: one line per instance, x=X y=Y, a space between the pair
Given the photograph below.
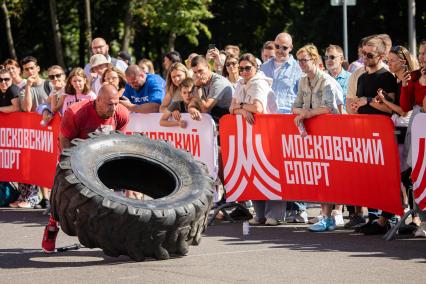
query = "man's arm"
x=145 y=108
x=14 y=107
x=27 y=100
x=64 y=142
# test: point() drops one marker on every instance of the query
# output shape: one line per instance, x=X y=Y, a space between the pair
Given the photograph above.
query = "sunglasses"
x=283 y=47
x=246 y=68
x=4 y=80
x=55 y=76
x=331 y=57
x=304 y=60
x=228 y=64
x=369 y=55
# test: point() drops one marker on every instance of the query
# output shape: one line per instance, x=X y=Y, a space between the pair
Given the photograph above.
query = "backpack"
x=47 y=87
x=8 y=194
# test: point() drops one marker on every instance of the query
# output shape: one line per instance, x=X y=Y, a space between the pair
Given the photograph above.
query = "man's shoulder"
x=154 y=78
x=219 y=79
x=80 y=107
x=13 y=90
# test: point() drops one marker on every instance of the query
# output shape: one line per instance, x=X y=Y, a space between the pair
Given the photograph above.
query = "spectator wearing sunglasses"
x=9 y=93
x=284 y=71
x=333 y=62
x=230 y=71
x=285 y=74
x=316 y=95
x=251 y=97
x=376 y=79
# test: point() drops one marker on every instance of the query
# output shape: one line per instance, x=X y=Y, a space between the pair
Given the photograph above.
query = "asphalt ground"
x=283 y=254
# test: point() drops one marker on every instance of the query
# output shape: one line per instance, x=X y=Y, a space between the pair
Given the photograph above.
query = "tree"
x=176 y=17
x=56 y=33
x=8 y=30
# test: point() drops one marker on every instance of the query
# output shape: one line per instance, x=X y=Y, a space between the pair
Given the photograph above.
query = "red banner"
x=345 y=159
x=28 y=151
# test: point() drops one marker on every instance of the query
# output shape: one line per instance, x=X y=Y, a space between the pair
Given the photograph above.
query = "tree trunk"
x=82 y=46
x=172 y=38
x=12 y=51
x=127 y=27
x=88 y=24
x=56 y=33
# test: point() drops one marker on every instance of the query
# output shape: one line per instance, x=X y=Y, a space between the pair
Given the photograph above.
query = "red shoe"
x=49 y=238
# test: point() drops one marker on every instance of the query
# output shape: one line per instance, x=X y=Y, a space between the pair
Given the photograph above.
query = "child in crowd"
x=76 y=89
x=189 y=104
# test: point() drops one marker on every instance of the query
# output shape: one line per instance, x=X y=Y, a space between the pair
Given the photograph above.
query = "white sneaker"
x=316 y=219
x=301 y=217
x=338 y=218
x=421 y=231
x=272 y=222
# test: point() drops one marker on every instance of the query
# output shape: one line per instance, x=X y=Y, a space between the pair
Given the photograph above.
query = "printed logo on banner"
x=418 y=156
x=418 y=175
x=244 y=160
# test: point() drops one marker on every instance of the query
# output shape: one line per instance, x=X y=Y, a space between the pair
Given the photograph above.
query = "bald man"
x=101 y=115
x=284 y=71
x=144 y=91
x=99 y=46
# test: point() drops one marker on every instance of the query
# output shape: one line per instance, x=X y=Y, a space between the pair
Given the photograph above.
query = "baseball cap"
x=125 y=56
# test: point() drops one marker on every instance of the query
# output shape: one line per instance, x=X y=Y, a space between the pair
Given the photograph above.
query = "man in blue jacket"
x=143 y=91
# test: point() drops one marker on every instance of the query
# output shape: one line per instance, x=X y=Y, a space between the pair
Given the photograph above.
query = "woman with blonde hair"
x=176 y=74
x=146 y=65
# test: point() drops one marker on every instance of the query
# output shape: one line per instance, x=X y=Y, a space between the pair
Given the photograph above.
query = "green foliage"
x=180 y=17
x=192 y=24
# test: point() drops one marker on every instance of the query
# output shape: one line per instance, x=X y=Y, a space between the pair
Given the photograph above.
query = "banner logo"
x=243 y=157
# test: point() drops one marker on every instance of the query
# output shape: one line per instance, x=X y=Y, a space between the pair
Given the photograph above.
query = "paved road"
x=268 y=255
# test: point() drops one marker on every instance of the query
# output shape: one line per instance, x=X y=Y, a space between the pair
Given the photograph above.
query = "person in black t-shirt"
x=376 y=78
x=9 y=93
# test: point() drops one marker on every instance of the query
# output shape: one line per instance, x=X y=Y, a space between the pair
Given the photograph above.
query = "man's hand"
x=30 y=81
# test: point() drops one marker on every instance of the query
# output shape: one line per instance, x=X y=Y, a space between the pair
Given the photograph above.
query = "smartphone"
x=405 y=67
x=212 y=46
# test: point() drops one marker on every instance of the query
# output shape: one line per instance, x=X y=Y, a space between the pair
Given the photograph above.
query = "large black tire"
x=86 y=206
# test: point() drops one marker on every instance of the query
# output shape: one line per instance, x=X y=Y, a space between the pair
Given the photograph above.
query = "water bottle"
x=302 y=129
x=246 y=228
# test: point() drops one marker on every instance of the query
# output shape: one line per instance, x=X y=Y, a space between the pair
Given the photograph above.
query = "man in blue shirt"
x=143 y=91
x=284 y=71
x=333 y=62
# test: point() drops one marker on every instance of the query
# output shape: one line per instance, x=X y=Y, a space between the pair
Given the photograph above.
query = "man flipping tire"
x=103 y=115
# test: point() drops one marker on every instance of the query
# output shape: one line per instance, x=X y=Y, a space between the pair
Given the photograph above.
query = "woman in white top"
x=76 y=89
x=252 y=90
x=251 y=97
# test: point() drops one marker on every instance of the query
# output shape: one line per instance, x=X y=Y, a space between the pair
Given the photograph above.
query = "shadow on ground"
x=296 y=237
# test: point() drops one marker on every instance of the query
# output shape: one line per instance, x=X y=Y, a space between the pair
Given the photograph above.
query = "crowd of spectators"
x=385 y=80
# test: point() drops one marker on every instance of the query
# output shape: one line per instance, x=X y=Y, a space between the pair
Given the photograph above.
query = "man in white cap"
x=98 y=65
x=99 y=46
